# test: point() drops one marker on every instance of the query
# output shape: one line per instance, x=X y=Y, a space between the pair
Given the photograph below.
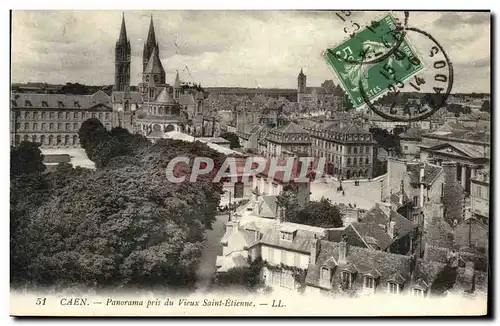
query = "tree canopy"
x=123 y=224
x=232 y=138
x=320 y=213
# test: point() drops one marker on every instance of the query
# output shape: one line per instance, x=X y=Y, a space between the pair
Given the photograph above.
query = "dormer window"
x=60 y=104
x=286 y=236
x=369 y=283
x=346 y=279
x=77 y=104
x=393 y=287
x=45 y=104
x=417 y=292
x=27 y=103
x=325 y=273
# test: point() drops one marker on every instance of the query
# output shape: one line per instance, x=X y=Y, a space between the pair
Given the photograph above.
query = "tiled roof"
x=365 y=261
x=267 y=207
x=383 y=215
x=290 y=128
x=233 y=260
x=134 y=97
x=59 y=101
x=301 y=242
x=375 y=232
x=431 y=172
x=164 y=97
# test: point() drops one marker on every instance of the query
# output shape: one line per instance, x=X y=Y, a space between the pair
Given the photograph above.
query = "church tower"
x=301 y=86
x=122 y=60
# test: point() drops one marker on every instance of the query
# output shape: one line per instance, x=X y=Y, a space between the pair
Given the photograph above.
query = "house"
x=340 y=268
x=480 y=195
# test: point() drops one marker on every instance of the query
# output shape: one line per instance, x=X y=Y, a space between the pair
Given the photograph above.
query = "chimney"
x=390 y=229
x=402 y=191
x=422 y=174
x=343 y=250
x=315 y=248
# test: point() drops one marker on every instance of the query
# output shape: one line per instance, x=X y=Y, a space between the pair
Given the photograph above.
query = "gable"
x=448 y=149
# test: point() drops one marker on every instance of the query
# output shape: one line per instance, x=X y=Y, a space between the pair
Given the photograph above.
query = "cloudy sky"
x=224 y=48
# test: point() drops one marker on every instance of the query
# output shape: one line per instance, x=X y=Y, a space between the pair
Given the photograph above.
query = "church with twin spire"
x=154 y=107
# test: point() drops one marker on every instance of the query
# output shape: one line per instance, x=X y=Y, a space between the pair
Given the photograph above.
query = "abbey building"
x=152 y=108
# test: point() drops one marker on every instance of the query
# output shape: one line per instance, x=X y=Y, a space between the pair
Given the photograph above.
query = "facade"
x=289 y=137
x=348 y=147
x=468 y=147
x=54 y=119
x=480 y=195
x=409 y=142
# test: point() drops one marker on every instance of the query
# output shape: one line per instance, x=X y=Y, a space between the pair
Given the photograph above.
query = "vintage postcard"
x=250 y=163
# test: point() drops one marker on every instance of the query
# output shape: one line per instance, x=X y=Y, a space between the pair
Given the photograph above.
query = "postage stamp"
x=353 y=60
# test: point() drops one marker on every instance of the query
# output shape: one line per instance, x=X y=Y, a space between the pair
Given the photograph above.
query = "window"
x=59 y=115
x=26 y=115
x=51 y=126
x=59 y=126
x=67 y=115
x=417 y=292
x=361 y=150
x=100 y=116
x=406 y=147
x=60 y=104
x=77 y=105
x=355 y=161
x=367 y=161
x=75 y=126
x=75 y=140
x=355 y=149
x=393 y=288
x=348 y=161
x=367 y=149
x=43 y=126
x=325 y=273
x=42 y=139
x=348 y=150
x=33 y=138
x=478 y=190
x=415 y=201
x=45 y=104
x=58 y=140
x=66 y=140
x=26 y=137
x=346 y=278
x=75 y=115
x=369 y=283
x=43 y=115
x=68 y=126
x=286 y=236
x=35 y=126
x=51 y=115
x=26 y=126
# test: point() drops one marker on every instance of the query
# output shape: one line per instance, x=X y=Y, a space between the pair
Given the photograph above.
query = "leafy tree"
x=26 y=158
x=245 y=277
x=319 y=213
x=124 y=224
x=232 y=138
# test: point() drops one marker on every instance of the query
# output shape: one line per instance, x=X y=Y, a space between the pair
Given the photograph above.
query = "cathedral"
x=327 y=97
x=156 y=107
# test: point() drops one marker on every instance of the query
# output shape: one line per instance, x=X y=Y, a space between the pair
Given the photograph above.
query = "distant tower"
x=301 y=86
x=122 y=60
x=177 y=87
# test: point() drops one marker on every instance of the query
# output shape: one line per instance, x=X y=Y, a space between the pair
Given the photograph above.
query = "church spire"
x=123 y=31
x=151 y=34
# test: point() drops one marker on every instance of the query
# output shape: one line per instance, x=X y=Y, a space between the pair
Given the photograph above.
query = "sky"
x=225 y=48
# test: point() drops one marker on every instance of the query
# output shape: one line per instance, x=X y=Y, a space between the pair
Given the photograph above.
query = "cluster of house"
x=407 y=243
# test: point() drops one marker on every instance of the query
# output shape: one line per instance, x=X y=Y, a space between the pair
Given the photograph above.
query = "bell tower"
x=122 y=60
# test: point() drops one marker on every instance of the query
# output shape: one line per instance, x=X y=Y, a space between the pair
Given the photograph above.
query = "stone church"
x=156 y=107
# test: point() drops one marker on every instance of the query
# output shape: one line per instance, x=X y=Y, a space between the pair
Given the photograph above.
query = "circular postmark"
x=378 y=40
x=400 y=104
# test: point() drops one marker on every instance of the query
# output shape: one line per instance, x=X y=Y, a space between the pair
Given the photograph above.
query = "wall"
x=276 y=256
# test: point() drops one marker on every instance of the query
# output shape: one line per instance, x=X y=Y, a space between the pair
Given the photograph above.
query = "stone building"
x=480 y=195
x=290 y=137
x=348 y=147
x=54 y=119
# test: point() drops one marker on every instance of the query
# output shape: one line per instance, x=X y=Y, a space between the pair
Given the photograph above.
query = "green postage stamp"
x=362 y=61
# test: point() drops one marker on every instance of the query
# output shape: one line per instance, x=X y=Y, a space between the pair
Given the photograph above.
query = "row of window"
x=369 y=283
x=355 y=161
x=63 y=115
x=48 y=140
x=282 y=279
x=350 y=149
x=341 y=136
x=51 y=126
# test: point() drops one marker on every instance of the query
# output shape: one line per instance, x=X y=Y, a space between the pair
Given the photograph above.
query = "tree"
x=245 y=277
x=26 y=158
x=319 y=213
x=485 y=107
x=124 y=224
x=233 y=139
